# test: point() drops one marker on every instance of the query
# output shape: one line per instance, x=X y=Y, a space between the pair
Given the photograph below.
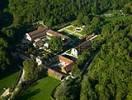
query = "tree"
x=8 y=31
x=63 y=91
x=93 y=26
x=76 y=70
x=30 y=69
x=128 y=8
x=86 y=20
x=4 y=61
x=129 y=96
x=3 y=43
x=55 y=44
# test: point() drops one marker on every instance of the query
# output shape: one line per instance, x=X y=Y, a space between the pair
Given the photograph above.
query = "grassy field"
x=8 y=81
x=40 y=90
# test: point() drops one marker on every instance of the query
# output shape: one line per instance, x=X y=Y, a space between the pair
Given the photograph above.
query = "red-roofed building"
x=56 y=73
x=65 y=39
x=66 y=64
x=43 y=32
x=83 y=46
x=53 y=33
x=60 y=68
x=39 y=33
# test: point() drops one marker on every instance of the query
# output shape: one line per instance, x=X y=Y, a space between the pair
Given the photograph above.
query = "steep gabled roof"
x=83 y=46
x=40 y=32
x=64 y=59
x=53 y=33
x=67 y=63
x=55 y=73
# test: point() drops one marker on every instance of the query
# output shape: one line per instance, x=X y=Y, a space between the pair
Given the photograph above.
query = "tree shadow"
x=6 y=18
x=28 y=95
x=8 y=72
x=3 y=4
x=94 y=53
x=34 y=84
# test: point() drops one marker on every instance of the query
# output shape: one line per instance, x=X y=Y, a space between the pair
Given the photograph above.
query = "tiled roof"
x=67 y=63
x=55 y=73
x=40 y=32
x=53 y=33
x=83 y=46
x=64 y=59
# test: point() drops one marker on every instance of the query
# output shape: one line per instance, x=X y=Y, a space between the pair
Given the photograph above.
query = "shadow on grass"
x=28 y=95
x=8 y=72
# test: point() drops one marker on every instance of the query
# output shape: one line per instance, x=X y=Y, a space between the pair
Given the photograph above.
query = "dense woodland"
x=109 y=75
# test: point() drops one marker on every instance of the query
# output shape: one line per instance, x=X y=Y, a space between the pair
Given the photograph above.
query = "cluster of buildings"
x=62 y=64
x=42 y=35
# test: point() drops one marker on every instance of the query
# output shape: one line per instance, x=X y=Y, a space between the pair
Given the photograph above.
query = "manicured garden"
x=73 y=30
x=41 y=90
x=8 y=81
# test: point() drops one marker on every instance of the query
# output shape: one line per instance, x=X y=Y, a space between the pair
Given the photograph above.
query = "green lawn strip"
x=73 y=33
x=8 y=81
x=41 y=90
x=71 y=30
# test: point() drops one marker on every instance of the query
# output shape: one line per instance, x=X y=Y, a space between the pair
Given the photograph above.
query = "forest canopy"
x=109 y=75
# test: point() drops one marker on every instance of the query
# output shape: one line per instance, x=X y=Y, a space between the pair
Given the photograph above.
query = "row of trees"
x=4 y=60
x=79 y=65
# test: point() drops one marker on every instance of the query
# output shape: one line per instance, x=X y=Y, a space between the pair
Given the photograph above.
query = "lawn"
x=72 y=30
x=8 y=81
x=41 y=90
